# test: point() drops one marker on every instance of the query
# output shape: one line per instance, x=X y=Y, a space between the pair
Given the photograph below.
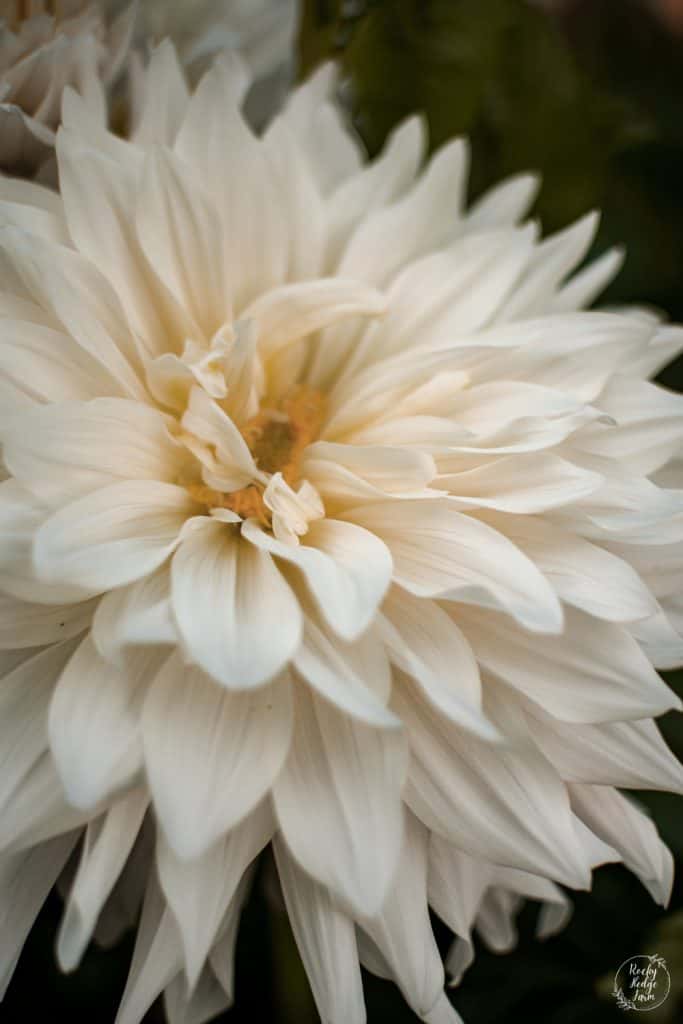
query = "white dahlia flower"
x=331 y=522
x=46 y=45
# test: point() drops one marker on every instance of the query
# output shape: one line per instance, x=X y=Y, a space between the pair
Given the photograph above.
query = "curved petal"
x=64 y=451
x=326 y=940
x=231 y=746
x=440 y=552
x=94 y=722
x=114 y=536
x=347 y=777
x=346 y=568
x=199 y=891
x=237 y=617
x=594 y=672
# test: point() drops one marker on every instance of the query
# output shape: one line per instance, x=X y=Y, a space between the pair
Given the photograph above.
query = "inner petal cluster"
x=277 y=437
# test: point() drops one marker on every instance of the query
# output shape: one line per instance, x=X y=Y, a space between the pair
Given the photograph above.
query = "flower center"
x=277 y=437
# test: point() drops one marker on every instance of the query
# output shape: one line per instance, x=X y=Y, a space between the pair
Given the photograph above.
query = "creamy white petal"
x=326 y=940
x=522 y=484
x=113 y=536
x=94 y=722
x=346 y=776
x=630 y=755
x=25 y=881
x=403 y=935
x=178 y=230
x=25 y=694
x=595 y=672
x=64 y=451
x=582 y=574
x=106 y=847
x=423 y=219
x=216 y=140
x=72 y=290
x=43 y=364
x=227 y=595
x=501 y=802
x=439 y=552
x=377 y=183
x=347 y=570
x=157 y=958
x=165 y=100
x=618 y=821
x=231 y=745
x=28 y=625
x=347 y=674
x=199 y=891
x=100 y=195
x=505 y=203
x=424 y=642
x=133 y=616
x=294 y=311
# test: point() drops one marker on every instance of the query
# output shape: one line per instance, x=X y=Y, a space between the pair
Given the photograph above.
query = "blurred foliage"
x=593 y=101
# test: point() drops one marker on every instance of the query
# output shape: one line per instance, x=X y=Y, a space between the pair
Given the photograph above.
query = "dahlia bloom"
x=46 y=45
x=331 y=522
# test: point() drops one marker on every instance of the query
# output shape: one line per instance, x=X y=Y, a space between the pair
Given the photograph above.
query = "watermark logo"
x=642 y=983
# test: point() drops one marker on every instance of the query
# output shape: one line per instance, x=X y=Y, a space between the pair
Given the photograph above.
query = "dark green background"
x=594 y=100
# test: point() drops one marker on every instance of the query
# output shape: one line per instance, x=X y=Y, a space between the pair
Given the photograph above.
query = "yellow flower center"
x=277 y=437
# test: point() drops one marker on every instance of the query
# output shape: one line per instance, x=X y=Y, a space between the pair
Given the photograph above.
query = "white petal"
x=157 y=958
x=438 y=551
x=37 y=809
x=199 y=891
x=65 y=284
x=93 y=724
x=424 y=642
x=216 y=142
x=553 y=260
x=179 y=233
x=504 y=204
x=41 y=363
x=227 y=596
x=166 y=98
x=326 y=940
x=581 y=573
x=347 y=777
x=385 y=468
x=133 y=616
x=63 y=452
x=231 y=747
x=294 y=311
x=346 y=674
x=25 y=881
x=30 y=625
x=504 y=803
x=376 y=183
x=631 y=755
x=403 y=935
x=100 y=198
x=522 y=484
x=422 y=220
x=207 y=421
x=618 y=821
x=107 y=845
x=114 y=536
x=346 y=568
x=594 y=672
x=25 y=693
